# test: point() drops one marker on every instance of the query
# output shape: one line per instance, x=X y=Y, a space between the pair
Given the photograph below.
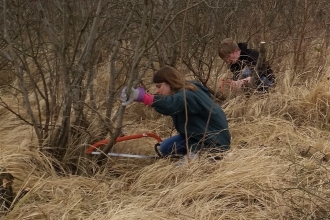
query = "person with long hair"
x=199 y=121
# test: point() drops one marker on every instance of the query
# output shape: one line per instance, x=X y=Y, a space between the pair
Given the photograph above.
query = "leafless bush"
x=52 y=54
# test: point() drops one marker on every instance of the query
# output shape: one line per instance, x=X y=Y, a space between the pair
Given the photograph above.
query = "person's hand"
x=237 y=84
x=136 y=95
x=247 y=80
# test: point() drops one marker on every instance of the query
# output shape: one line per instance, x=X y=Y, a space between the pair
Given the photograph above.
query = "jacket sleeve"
x=174 y=104
x=236 y=70
x=252 y=58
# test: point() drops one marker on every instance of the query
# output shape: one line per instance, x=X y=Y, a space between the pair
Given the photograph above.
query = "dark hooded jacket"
x=248 y=58
x=205 y=119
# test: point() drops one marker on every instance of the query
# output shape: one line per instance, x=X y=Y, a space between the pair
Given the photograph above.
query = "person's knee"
x=172 y=145
x=165 y=149
x=172 y=148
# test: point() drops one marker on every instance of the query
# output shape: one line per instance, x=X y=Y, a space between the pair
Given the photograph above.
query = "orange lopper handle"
x=123 y=138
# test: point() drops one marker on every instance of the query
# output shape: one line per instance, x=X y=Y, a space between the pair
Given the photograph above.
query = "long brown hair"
x=173 y=78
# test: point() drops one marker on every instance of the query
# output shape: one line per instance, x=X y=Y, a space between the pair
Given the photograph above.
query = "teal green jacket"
x=207 y=124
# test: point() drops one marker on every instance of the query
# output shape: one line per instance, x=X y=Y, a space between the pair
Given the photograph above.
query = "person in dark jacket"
x=242 y=62
x=199 y=121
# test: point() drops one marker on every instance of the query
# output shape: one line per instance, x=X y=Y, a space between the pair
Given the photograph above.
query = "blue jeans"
x=173 y=145
x=264 y=84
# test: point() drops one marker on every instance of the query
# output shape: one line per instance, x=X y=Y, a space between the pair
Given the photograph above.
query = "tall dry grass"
x=277 y=167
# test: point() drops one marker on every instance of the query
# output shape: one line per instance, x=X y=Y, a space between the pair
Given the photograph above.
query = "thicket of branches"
x=51 y=52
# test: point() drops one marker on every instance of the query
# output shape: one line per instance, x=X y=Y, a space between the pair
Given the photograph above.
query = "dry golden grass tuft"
x=277 y=167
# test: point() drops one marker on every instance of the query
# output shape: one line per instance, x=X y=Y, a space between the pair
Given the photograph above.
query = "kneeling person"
x=199 y=121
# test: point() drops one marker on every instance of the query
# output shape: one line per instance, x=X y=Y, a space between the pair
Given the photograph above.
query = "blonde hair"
x=226 y=47
x=173 y=78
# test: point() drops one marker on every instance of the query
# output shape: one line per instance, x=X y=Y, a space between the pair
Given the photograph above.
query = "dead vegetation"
x=277 y=168
x=278 y=165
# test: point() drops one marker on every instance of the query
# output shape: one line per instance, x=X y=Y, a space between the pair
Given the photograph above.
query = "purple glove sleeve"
x=141 y=93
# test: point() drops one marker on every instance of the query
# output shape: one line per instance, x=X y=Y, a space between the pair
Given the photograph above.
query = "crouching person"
x=242 y=62
x=200 y=122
